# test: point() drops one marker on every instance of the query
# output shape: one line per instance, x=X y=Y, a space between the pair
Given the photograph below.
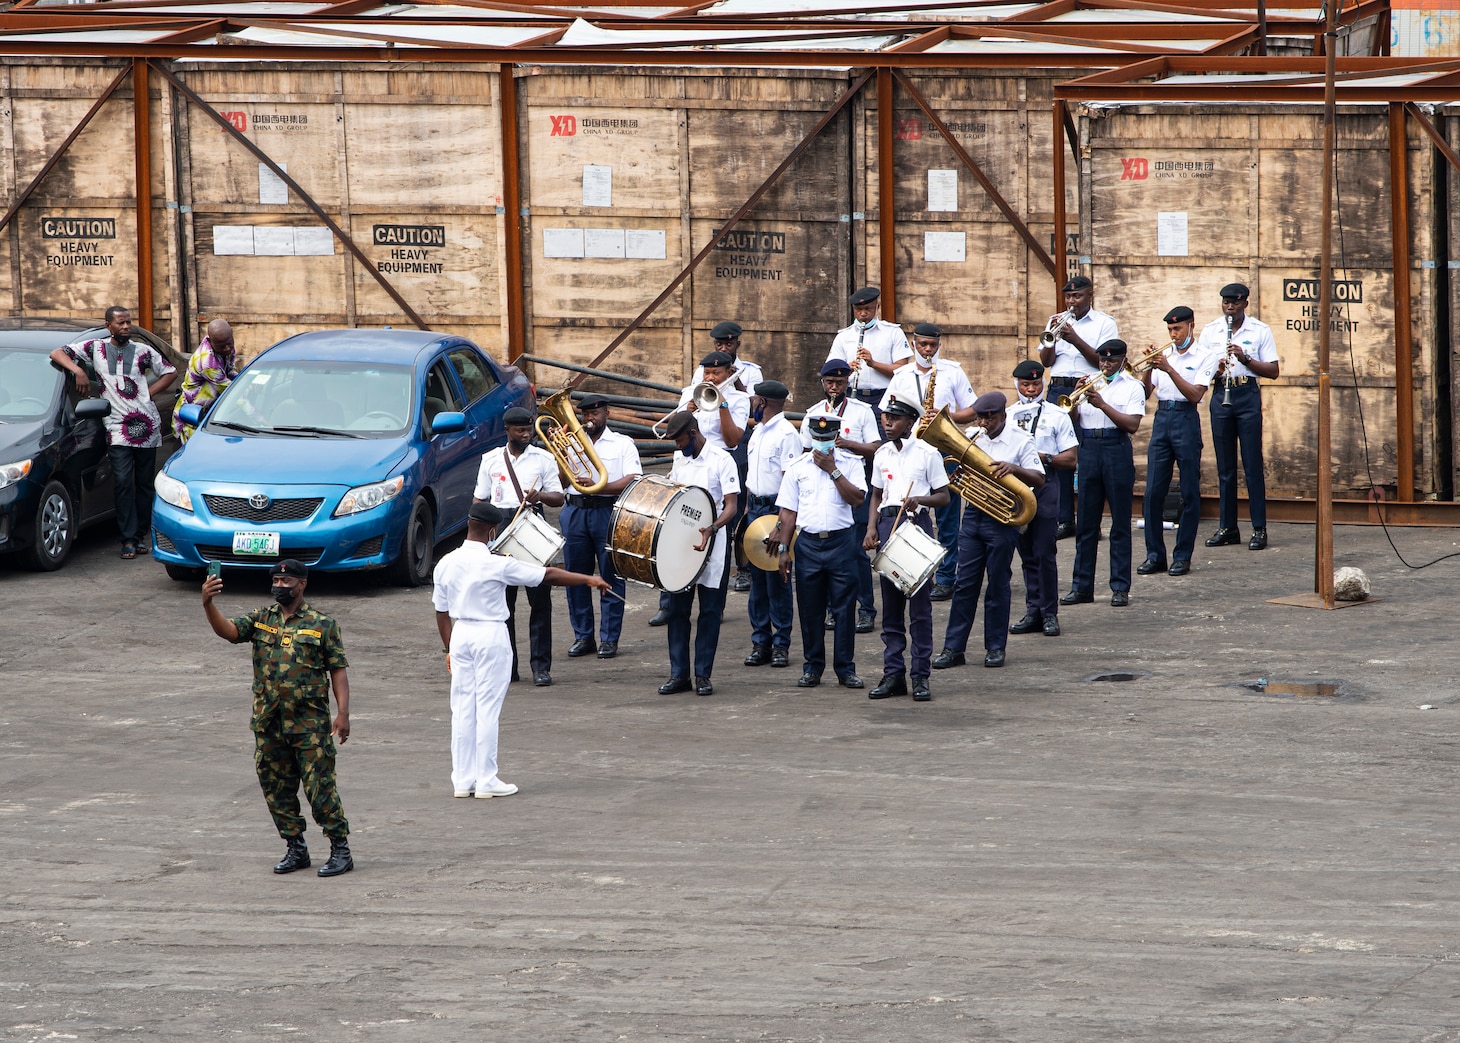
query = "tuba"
x=558 y=426
x=1006 y=499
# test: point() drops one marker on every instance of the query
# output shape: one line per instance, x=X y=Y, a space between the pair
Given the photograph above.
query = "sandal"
x=129 y=549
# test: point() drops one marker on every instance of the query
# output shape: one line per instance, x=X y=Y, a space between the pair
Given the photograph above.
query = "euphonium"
x=558 y=426
x=1005 y=499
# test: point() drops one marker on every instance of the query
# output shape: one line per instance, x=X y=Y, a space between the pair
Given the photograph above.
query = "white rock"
x=1350 y=584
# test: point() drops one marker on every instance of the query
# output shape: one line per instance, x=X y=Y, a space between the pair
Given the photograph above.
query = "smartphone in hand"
x=215 y=569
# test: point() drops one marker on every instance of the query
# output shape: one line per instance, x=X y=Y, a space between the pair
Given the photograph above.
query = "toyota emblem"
x=259 y=502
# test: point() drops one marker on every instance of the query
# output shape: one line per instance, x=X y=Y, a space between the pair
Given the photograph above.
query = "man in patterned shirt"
x=133 y=428
x=297 y=658
x=211 y=369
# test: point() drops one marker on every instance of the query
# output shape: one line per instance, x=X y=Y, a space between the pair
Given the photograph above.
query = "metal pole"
x=142 y=151
x=512 y=208
x=1403 y=331
x=886 y=197
x=1323 y=530
x=1057 y=159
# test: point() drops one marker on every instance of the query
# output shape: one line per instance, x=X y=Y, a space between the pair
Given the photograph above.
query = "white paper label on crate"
x=1171 y=233
x=943 y=190
x=597 y=186
x=944 y=246
x=644 y=243
x=603 y=242
x=562 y=242
x=314 y=241
x=233 y=240
x=271 y=187
x=270 y=241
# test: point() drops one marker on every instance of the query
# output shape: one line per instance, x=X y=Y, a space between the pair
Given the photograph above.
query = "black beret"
x=718 y=358
x=1180 y=313
x=486 y=512
x=866 y=295
x=290 y=567
x=592 y=400
x=516 y=415
x=1029 y=369
x=1235 y=290
x=678 y=423
x=824 y=425
x=773 y=389
x=1112 y=348
x=726 y=331
x=897 y=407
x=1079 y=282
x=836 y=368
x=926 y=329
x=990 y=402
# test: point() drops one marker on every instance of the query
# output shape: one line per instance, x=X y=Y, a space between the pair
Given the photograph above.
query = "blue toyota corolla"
x=346 y=449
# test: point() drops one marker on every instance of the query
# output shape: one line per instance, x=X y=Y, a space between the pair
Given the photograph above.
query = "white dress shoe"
x=495 y=789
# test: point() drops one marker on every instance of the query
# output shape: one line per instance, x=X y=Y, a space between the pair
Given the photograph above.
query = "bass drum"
x=654 y=529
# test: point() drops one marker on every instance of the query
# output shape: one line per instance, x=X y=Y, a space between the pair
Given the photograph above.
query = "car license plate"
x=262 y=544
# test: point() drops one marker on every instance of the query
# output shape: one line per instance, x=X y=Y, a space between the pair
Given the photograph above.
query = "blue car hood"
x=264 y=460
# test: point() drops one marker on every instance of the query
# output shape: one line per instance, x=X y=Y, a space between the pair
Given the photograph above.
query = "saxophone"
x=929 y=413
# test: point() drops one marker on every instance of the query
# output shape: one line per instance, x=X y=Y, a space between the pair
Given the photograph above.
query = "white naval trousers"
x=481 y=669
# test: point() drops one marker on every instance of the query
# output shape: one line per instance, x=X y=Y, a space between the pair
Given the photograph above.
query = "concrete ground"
x=1033 y=856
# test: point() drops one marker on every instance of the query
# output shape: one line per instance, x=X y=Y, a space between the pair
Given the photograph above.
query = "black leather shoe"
x=674 y=686
x=946 y=658
x=583 y=646
x=543 y=679
x=1222 y=537
x=1149 y=566
x=1259 y=539
x=1120 y=599
x=851 y=681
x=1064 y=530
x=1180 y=568
x=742 y=581
x=296 y=856
x=941 y=592
x=890 y=685
x=866 y=622
x=830 y=621
x=808 y=680
x=660 y=618
x=780 y=656
x=1028 y=625
x=608 y=650
x=993 y=657
x=1078 y=597
x=340 y=860
x=760 y=655
x=703 y=686
x=1051 y=626
x=921 y=692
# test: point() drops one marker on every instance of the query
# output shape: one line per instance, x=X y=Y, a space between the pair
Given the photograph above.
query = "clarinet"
x=857 y=361
x=1227 y=366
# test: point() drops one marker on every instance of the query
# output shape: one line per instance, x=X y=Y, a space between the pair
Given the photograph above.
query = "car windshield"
x=311 y=399
x=28 y=384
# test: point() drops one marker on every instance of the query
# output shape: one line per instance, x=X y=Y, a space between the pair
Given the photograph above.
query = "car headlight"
x=173 y=491
x=12 y=473
x=365 y=497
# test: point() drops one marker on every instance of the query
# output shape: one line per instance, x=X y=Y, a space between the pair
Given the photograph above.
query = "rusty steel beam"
x=886 y=196
x=512 y=211
x=1345 y=512
x=298 y=190
x=1403 y=332
x=1014 y=219
x=142 y=154
x=1057 y=154
x=1429 y=128
x=735 y=218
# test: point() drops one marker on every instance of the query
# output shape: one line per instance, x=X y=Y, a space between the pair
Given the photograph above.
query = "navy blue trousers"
x=948 y=520
x=1175 y=441
x=1066 y=479
x=826 y=580
x=1038 y=552
x=770 y=602
x=1107 y=472
x=985 y=551
x=866 y=602
x=585 y=535
x=918 y=610
x=1235 y=428
x=706 y=628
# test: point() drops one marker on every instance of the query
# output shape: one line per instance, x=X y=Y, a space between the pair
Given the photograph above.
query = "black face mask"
x=121 y=338
x=283 y=595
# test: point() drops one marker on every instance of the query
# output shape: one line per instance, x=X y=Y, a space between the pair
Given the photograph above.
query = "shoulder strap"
x=512 y=473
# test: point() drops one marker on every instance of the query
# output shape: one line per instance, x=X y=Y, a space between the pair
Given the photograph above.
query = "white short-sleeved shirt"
x=1254 y=338
x=773 y=445
x=535 y=469
x=914 y=470
x=859 y=423
x=619 y=455
x=714 y=471
x=1196 y=365
x=884 y=341
x=951 y=388
x=738 y=403
x=1053 y=433
x=1012 y=446
x=471 y=582
x=1094 y=328
x=813 y=495
x=1125 y=393
x=748 y=373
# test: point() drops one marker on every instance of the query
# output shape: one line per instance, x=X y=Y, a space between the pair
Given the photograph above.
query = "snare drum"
x=909 y=558
x=654 y=529
x=529 y=539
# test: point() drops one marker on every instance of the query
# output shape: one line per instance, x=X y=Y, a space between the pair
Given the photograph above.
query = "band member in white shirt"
x=517 y=473
x=873 y=347
x=1179 y=378
x=908 y=479
x=726 y=336
x=1069 y=361
x=774 y=445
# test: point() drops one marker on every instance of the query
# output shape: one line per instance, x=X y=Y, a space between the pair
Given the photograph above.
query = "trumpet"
x=1057 y=326
x=1067 y=403
x=559 y=428
x=1148 y=360
x=706 y=397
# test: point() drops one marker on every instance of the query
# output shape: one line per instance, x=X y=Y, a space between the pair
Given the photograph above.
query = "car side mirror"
x=190 y=414
x=93 y=409
x=446 y=423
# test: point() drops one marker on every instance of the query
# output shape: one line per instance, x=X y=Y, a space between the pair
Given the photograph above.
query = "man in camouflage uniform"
x=297 y=657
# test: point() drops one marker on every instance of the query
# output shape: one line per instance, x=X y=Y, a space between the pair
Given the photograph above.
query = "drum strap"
x=512 y=473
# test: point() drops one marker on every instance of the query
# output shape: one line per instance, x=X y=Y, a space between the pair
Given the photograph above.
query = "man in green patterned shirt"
x=297 y=658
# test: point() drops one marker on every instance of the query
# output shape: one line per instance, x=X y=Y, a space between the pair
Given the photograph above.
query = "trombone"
x=1056 y=328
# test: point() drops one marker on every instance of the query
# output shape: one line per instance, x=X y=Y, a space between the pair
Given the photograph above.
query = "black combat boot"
x=340 y=860
x=296 y=857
